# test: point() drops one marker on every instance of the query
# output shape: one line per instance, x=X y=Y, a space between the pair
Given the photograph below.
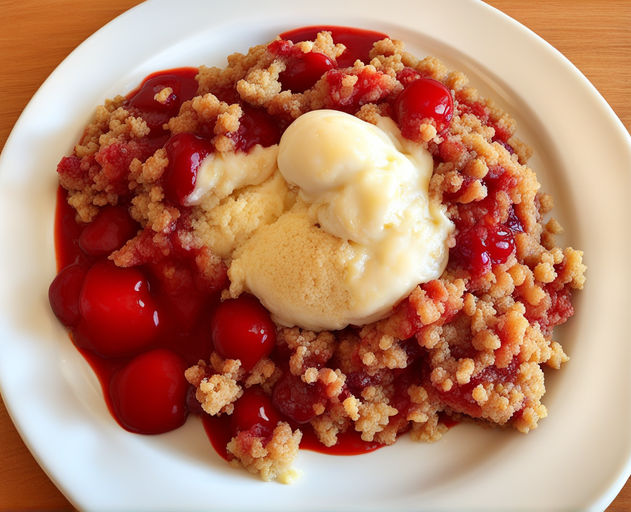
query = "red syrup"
x=358 y=41
x=219 y=431
x=421 y=99
x=67 y=232
x=448 y=421
x=348 y=443
x=141 y=101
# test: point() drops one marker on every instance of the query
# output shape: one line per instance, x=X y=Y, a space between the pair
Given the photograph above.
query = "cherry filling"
x=483 y=239
x=513 y=222
x=370 y=87
x=119 y=316
x=480 y=246
x=180 y=85
x=111 y=228
x=460 y=397
x=256 y=126
x=64 y=292
x=304 y=71
x=295 y=399
x=185 y=152
x=175 y=284
x=358 y=42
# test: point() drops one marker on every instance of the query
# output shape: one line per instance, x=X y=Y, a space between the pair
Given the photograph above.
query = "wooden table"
x=35 y=36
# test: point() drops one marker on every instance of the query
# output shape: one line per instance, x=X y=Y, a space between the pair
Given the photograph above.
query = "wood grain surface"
x=35 y=36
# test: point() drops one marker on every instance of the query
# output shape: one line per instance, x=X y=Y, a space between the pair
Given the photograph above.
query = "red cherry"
x=111 y=228
x=498 y=179
x=242 y=329
x=182 y=82
x=254 y=409
x=175 y=284
x=295 y=399
x=305 y=70
x=420 y=100
x=256 y=127
x=119 y=315
x=149 y=394
x=64 y=291
x=186 y=152
x=470 y=250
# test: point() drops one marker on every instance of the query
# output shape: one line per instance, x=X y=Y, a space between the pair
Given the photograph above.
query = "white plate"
x=579 y=457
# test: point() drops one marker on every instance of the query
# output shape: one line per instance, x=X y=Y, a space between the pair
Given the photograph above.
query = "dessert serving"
x=328 y=243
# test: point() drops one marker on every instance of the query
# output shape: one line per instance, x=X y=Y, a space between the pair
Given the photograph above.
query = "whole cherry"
x=295 y=399
x=254 y=409
x=110 y=229
x=64 y=291
x=482 y=245
x=149 y=394
x=118 y=314
x=305 y=70
x=242 y=329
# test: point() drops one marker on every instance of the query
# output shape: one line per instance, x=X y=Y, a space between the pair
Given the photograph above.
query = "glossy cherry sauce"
x=358 y=41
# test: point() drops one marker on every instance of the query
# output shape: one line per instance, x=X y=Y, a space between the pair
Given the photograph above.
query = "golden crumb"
x=270 y=459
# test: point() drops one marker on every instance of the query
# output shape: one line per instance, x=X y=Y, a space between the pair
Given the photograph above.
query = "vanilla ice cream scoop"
x=352 y=173
x=321 y=149
x=362 y=234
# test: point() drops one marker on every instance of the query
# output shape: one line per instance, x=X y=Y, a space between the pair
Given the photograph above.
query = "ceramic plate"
x=577 y=459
